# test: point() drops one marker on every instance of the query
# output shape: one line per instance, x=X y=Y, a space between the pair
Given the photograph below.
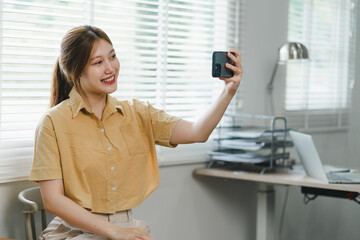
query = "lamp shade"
x=292 y=51
x=288 y=51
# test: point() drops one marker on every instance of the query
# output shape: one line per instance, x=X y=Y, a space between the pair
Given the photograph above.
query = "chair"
x=31 y=198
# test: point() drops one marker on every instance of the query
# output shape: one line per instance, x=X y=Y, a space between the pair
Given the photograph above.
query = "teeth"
x=108 y=79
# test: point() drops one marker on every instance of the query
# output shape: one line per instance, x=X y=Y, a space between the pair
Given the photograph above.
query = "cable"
x=308 y=198
x=312 y=193
x=357 y=199
x=283 y=212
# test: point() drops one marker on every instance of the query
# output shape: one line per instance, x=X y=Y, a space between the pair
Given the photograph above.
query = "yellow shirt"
x=106 y=165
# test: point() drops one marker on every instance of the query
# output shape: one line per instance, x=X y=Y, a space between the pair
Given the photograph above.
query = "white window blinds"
x=164 y=48
x=31 y=32
x=318 y=92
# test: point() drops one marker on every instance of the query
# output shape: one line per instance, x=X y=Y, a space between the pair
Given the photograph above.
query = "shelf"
x=261 y=147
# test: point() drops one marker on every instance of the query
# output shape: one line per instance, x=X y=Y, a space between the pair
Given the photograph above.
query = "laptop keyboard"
x=333 y=177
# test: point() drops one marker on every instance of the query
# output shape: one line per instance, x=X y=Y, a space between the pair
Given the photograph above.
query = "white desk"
x=265 y=196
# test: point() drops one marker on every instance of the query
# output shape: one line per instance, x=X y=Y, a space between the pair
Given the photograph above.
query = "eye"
x=98 y=62
x=113 y=56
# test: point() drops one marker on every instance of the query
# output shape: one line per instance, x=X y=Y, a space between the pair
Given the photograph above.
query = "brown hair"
x=76 y=47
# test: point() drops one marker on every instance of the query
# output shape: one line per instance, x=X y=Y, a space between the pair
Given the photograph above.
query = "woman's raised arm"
x=199 y=131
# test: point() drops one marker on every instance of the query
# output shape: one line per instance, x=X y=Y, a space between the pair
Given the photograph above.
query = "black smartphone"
x=218 y=65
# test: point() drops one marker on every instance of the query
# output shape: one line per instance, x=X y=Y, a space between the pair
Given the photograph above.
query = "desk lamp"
x=288 y=51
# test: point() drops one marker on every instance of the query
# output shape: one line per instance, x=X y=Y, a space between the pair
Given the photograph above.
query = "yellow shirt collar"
x=77 y=103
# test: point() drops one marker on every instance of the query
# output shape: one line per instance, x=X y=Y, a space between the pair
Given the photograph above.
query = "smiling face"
x=100 y=74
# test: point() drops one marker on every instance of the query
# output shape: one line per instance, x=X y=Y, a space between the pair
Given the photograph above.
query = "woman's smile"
x=109 y=80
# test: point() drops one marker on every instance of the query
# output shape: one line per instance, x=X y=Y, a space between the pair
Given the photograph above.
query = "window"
x=318 y=92
x=164 y=48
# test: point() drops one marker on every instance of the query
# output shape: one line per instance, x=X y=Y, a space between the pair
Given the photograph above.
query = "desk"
x=265 y=196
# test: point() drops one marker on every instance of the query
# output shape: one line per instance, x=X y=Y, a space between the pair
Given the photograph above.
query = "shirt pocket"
x=133 y=139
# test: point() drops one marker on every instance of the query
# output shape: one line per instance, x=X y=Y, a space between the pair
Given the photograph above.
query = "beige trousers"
x=58 y=229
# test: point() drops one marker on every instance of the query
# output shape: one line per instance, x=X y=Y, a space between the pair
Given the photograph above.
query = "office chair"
x=31 y=198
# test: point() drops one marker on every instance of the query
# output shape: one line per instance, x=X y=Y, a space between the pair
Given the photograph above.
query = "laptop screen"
x=308 y=155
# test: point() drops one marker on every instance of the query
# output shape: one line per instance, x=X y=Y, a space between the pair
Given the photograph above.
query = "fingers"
x=236 y=58
x=233 y=83
x=236 y=68
x=131 y=234
x=140 y=234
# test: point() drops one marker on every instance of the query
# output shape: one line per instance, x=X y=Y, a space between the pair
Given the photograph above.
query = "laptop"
x=312 y=164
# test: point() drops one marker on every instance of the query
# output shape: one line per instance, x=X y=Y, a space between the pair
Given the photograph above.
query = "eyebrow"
x=112 y=50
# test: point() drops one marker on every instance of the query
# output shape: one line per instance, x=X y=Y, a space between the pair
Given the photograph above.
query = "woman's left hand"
x=232 y=84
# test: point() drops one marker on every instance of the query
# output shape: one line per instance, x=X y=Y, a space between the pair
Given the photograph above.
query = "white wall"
x=201 y=208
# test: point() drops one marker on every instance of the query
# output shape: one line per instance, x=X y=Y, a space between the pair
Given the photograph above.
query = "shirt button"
x=112 y=168
x=109 y=148
x=113 y=188
x=102 y=130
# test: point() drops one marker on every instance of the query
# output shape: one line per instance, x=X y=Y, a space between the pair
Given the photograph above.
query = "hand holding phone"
x=219 y=70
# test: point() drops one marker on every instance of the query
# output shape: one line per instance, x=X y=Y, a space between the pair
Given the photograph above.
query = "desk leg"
x=265 y=212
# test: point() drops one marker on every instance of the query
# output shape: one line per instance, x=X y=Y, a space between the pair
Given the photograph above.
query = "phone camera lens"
x=217 y=70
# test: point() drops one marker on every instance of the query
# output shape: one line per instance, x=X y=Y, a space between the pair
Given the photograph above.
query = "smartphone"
x=218 y=65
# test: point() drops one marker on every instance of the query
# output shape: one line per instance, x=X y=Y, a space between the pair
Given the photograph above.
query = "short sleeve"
x=46 y=162
x=163 y=125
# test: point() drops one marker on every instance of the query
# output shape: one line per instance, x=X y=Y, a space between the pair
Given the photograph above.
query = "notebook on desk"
x=312 y=163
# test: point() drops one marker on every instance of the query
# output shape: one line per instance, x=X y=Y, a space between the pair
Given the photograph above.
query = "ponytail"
x=61 y=86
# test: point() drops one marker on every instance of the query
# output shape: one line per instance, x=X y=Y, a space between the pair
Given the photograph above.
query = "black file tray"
x=247 y=146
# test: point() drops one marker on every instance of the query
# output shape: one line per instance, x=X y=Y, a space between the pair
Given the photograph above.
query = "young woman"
x=95 y=156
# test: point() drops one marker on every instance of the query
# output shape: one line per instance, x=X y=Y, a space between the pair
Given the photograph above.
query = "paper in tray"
x=245 y=157
x=241 y=157
x=242 y=144
x=252 y=133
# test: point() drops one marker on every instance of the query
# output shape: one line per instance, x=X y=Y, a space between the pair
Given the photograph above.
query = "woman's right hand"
x=130 y=234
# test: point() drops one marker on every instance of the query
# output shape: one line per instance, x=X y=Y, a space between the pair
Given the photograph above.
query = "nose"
x=109 y=68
